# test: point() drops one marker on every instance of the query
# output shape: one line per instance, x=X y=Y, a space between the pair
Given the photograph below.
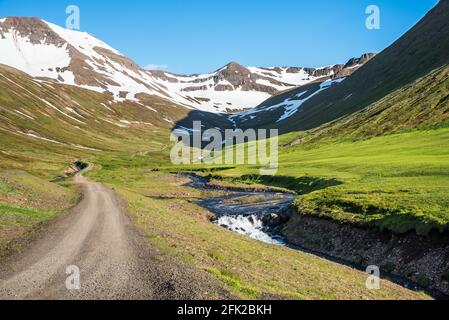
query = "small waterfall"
x=253 y=214
x=251 y=226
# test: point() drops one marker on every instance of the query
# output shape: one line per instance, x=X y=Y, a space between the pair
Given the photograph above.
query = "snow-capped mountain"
x=47 y=51
x=235 y=87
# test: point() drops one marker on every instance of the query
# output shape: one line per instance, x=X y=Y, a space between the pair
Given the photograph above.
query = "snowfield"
x=36 y=60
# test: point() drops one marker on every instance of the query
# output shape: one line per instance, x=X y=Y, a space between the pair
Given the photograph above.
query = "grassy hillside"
x=44 y=127
x=26 y=202
x=423 y=104
x=397 y=182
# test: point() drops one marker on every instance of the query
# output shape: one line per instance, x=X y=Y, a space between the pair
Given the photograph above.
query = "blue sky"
x=199 y=36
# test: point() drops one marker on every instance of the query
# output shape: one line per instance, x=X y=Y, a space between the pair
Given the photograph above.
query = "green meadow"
x=397 y=182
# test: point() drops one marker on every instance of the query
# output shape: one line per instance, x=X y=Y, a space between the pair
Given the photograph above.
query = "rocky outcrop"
x=192 y=89
x=242 y=78
x=35 y=29
x=234 y=76
x=324 y=72
x=354 y=64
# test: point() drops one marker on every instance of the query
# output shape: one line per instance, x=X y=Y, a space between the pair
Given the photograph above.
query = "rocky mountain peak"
x=359 y=61
x=34 y=29
x=233 y=65
x=236 y=74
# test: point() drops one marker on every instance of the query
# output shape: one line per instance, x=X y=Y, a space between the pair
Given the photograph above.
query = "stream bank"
x=423 y=260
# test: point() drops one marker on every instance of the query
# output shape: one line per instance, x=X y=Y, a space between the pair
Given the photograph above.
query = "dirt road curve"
x=114 y=260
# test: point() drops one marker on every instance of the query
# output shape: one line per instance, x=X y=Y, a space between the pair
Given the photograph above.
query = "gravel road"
x=114 y=260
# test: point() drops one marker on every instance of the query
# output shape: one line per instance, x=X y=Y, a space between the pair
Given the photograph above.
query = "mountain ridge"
x=45 y=50
x=259 y=83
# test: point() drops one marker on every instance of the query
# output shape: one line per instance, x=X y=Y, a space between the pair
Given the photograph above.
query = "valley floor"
x=162 y=205
x=178 y=252
x=367 y=159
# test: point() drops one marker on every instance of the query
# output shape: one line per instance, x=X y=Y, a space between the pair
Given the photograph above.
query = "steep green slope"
x=421 y=105
x=396 y=182
x=423 y=49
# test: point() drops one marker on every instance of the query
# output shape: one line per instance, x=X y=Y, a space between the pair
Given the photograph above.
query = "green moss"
x=5 y=188
x=389 y=267
x=234 y=284
x=446 y=276
x=423 y=281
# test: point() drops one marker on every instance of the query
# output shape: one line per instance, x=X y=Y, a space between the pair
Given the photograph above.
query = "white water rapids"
x=247 y=213
x=251 y=226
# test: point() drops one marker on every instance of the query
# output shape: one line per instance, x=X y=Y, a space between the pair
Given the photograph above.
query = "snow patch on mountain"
x=291 y=105
x=34 y=135
x=106 y=67
x=38 y=60
x=82 y=41
x=233 y=87
x=208 y=98
x=295 y=79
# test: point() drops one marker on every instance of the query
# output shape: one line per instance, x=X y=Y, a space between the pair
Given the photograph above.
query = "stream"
x=257 y=215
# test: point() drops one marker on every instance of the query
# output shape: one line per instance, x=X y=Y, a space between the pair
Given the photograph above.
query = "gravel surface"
x=114 y=259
